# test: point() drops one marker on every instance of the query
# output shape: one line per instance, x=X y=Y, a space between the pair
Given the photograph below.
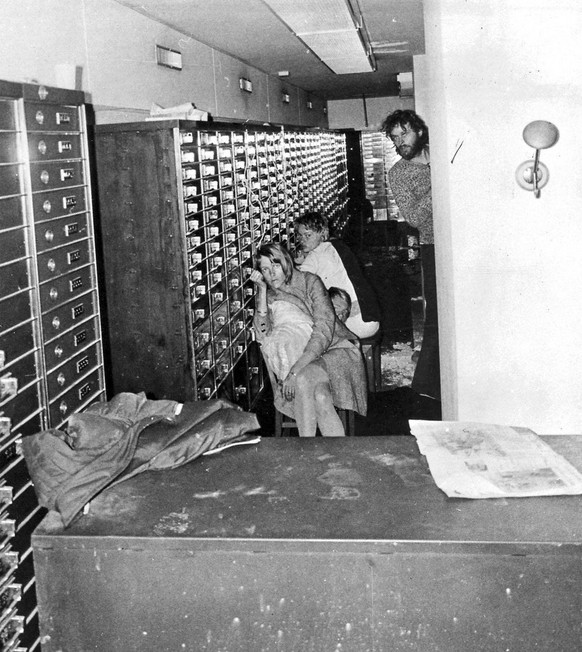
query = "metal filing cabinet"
x=183 y=208
x=51 y=361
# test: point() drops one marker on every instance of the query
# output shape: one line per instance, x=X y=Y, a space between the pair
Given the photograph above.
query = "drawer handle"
x=84 y=390
x=39 y=117
x=63 y=118
x=82 y=364
x=58 y=351
x=49 y=235
x=76 y=284
x=63 y=408
x=56 y=323
x=42 y=147
x=46 y=207
x=54 y=294
x=79 y=337
x=61 y=379
x=51 y=265
x=69 y=202
x=45 y=177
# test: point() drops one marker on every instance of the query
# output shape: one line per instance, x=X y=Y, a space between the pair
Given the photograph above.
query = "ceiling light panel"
x=330 y=30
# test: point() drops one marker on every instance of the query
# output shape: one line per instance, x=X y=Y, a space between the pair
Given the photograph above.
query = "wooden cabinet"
x=183 y=208
x=51 y=362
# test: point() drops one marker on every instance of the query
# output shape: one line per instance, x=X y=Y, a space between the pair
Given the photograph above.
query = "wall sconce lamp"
x=538 y=134
x=285 y=97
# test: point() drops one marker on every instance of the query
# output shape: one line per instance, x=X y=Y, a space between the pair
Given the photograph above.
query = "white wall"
x=509 y=265
x=115 y=49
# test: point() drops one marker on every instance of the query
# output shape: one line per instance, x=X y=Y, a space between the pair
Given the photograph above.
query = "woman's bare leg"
x=328 y=420
x=314 y=406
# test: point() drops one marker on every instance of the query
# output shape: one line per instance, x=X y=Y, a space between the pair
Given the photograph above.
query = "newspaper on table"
x=477 y=460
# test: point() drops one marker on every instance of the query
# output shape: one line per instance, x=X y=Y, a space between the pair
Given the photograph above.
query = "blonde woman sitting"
x=309 y=352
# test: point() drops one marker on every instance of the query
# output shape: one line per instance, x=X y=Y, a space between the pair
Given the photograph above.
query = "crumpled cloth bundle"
x=112 y=441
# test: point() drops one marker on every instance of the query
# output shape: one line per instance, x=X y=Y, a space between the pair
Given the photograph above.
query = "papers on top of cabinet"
x=477 y=460
x=179 y=112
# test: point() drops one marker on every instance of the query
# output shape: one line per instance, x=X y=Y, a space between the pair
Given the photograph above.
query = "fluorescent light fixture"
x=245 y=85
x=333 y=29
x=169 y=58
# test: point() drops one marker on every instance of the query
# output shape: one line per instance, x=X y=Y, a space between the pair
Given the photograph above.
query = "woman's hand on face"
x=257 y=278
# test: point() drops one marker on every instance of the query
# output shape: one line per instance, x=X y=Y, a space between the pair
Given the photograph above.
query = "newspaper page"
x=477 y=460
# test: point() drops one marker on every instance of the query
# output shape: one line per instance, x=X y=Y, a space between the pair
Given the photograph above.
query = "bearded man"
x=410 y=183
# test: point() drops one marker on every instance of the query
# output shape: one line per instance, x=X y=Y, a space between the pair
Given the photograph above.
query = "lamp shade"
x=541 y=134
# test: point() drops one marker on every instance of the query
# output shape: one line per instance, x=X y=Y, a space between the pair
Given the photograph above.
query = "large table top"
x=351 y=493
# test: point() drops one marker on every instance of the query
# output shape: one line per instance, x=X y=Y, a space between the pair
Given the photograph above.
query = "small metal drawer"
x=69 y=373
x=64 y=317
x=60 y=231
x=70 y=342
x=16 y=342
x=13 y=245
x=51 y=117
x=61 y=408
x=9 y=180
x=58 y=203
x=13 y=277
x=59 y=290
x=11 y=213
x=19 y=407
x=15 y=310
x=8 y=147
x=7 y=115
x=62 y=260
x=56 y=174
x=46 y=147
x=32 y=426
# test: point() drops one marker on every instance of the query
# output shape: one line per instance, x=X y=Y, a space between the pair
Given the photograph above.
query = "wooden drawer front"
x=59 y=203
x=70 y=372
x=62 y=407
x=20 y=406
x=13 y=277
x=17 y=342
x=10 y=212
x=59 y=290
x=14 y=310
x=60 y=231
x=52 y=174
x=7 y=113
x=62 y=260
x=8 y=147
x=9 y=180
x=13 y=245
x=64 y=317
x=45 y=147
x=51 y=117
x=70 y=342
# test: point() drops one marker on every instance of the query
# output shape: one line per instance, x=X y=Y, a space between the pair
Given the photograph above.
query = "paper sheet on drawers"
x=477 y=460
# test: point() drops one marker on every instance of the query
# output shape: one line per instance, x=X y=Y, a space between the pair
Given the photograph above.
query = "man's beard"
x=412 y=150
